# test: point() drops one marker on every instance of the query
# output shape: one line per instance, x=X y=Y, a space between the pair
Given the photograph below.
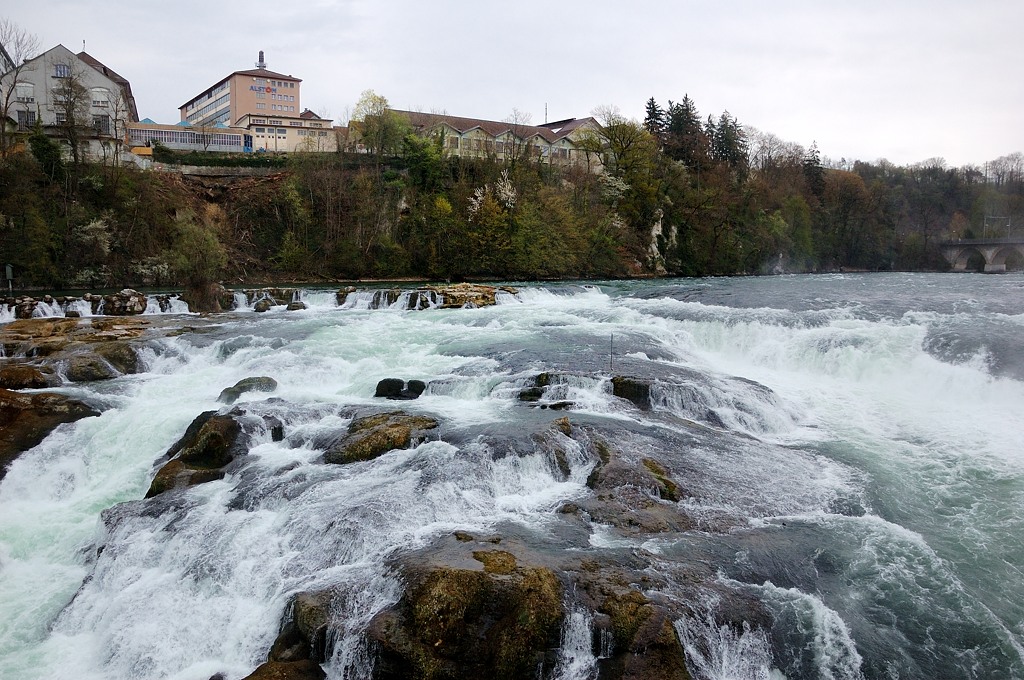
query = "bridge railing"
x=984 y=242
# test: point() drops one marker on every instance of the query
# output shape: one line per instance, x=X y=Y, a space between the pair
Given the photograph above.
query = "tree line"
x=680 y=194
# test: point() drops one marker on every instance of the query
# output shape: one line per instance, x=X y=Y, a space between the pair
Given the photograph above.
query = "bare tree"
x=516 y=147
x=20 y=46
x=72 y=100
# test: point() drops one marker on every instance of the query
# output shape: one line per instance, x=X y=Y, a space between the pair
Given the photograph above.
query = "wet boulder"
x=89 y=368
x=396 y=388
x=342 y=295
x=119 y=354
x=288 y=670
x=26 y=419
x=646 y=644
x=372 y=436
x=206 y=297
x=296 y=306
x=635 y=390
x=230 y=395
x=263 y=305
x=17 y=376
x=209 y=444
x=637 y=496
x=37 y=337
x=125 y=303
x=458 y=295
x=496 y=620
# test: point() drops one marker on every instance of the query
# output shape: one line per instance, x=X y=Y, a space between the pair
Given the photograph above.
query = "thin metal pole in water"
x=611 y=351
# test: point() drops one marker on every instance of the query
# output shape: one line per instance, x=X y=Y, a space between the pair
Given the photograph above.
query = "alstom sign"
x=261 y=88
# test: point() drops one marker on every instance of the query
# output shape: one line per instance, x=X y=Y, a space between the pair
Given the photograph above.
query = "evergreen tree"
x=729 y=142
x=686 y=140
x=654 y=120
x=814 y=174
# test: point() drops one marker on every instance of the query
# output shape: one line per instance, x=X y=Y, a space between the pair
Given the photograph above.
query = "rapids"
x=849 y=446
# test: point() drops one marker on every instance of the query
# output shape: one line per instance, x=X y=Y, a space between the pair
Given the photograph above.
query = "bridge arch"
x=1013 y=259
x=995 y=253
x=969 y=259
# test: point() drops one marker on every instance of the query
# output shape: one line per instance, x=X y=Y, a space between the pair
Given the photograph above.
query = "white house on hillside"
x=75 y=98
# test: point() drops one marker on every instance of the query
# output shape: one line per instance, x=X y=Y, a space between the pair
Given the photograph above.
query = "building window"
x=61 y=117
x=62 y=70
x=282 y=131
x=26 y=120
x=100 y=97
x=101 y=124
x=261 y=129
x=295 y=123
x=25 y=92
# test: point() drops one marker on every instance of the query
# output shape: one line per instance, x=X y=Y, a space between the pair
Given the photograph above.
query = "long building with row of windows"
x=281 y=134
x=572 y=141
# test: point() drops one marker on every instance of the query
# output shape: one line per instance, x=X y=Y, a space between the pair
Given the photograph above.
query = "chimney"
x=261 y=63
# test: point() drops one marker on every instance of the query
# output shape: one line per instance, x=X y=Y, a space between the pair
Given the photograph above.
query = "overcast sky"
x=905 y=80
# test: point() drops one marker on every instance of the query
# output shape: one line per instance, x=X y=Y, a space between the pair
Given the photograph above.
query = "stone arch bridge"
x=993 y=250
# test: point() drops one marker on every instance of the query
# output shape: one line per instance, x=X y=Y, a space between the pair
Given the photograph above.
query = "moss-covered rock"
x=630 y=494
x=230 y=395
x=375 y=435
x=496 y=561
x=463 y=623
x=208 y=445
x=175 y=474
x=667 y=488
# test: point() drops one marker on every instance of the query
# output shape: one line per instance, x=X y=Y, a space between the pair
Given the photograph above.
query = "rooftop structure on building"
x=257 y=91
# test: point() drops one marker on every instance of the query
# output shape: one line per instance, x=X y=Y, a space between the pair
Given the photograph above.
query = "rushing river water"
x=871 y=497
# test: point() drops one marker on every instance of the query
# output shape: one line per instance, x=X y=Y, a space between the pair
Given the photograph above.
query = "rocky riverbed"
x=495 y=603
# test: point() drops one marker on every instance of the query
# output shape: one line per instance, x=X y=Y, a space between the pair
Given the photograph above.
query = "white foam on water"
x=832 y=651
x=83 y=307
x=576 y=660
x=719 y=652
